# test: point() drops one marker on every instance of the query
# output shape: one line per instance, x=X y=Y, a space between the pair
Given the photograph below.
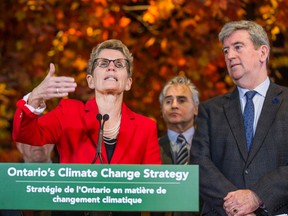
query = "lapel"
x=125 y=140
x=269 y=111
x=92 y=127
x=232 y=109
x=166 y=155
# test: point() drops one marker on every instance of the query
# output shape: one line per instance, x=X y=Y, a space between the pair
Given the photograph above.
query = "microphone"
x=102 y=120
x=105 y=118
x=99 y=117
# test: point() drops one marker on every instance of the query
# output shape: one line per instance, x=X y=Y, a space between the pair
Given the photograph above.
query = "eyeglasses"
x=104 y=63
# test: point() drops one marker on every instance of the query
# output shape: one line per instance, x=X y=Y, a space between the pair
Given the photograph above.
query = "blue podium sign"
x=99 y=187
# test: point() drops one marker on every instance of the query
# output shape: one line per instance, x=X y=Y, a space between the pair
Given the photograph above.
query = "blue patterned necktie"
x=182 y=154
x=248 y=117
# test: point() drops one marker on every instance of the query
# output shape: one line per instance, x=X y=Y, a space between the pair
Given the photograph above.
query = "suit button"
x=246 y=172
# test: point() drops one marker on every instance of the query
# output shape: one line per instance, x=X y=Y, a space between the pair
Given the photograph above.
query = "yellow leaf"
x=80 y=63
x=164 y=43
x=2 y=88
x=165 y=8
x=68 y=53
x=74 y=5
x=274 y=3
x=19 y=45
x=51 y=53
x=89 y=31
x=275 y=30
x=188 y=22
x=150 y=42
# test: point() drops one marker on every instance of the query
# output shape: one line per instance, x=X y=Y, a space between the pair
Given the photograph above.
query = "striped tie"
x=182 y=155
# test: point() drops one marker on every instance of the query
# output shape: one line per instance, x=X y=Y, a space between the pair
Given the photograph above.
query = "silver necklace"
x=113 y=132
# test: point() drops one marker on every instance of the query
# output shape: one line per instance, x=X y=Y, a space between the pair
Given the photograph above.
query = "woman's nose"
x=111 y=65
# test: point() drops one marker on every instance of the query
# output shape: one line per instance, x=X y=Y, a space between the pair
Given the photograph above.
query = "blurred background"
x=166 y=37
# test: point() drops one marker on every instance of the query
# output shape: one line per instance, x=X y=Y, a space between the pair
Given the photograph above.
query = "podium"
x=90 y=187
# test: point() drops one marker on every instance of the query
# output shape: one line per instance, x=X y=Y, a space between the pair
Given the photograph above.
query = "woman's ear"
x=128 y=84
x=90 y=81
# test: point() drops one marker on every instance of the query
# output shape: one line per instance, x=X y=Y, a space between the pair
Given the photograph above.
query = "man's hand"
x=241 y=202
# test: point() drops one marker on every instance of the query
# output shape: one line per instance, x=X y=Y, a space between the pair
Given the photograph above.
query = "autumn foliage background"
x=166 y=37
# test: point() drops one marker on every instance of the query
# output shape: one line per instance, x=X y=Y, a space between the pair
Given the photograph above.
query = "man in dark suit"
x=244 y=167
x=179 y=101
x=10 y=213
x=179 y=105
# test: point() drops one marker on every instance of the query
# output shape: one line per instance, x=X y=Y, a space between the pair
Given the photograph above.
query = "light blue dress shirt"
x=258 y=99
x=188 y=134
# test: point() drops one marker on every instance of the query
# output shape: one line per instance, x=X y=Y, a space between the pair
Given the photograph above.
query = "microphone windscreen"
x=105 y=117
x=99 y=117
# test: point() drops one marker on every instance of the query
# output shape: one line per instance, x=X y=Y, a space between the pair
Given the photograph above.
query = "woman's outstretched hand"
x=51 y=87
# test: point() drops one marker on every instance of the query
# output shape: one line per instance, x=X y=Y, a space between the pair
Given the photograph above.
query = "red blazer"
x=73 y=127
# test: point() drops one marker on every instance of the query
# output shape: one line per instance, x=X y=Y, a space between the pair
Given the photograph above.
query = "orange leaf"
x=124 y=21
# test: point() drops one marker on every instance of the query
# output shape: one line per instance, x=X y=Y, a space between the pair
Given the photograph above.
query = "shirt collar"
x=188 y=134
x=260 y=89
